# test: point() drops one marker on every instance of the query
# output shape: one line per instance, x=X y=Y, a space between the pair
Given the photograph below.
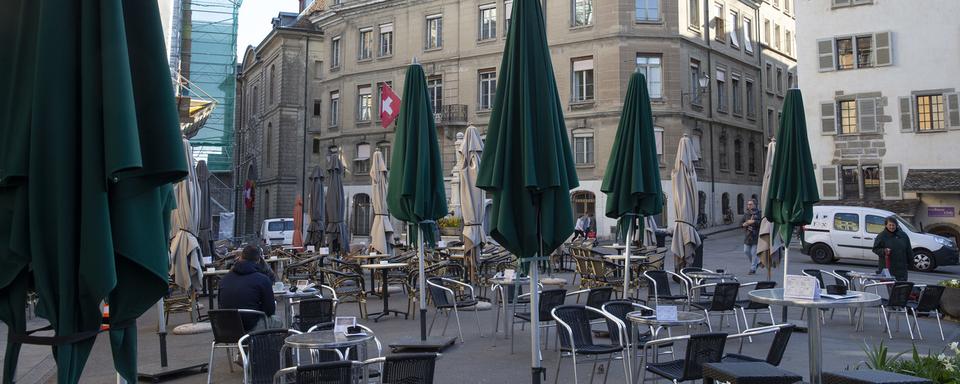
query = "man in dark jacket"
x=246 y=288
x=751 y=229
x=893 y=244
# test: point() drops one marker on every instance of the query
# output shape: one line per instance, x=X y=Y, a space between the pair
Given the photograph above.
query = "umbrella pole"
x=786 y=254
x=162 y=332
x=534 y=265
x=422 y=283
x=626 y=260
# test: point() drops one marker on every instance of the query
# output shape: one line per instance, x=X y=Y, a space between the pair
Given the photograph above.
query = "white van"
x=839 y=232
x=277 y=231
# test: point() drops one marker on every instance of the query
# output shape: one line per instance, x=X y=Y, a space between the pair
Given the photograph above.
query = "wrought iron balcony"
x=453 y=114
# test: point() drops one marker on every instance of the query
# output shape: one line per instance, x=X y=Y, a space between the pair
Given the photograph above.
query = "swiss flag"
x=389 y=105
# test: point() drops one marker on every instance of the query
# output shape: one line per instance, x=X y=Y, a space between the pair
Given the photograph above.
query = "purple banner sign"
x=941 y=212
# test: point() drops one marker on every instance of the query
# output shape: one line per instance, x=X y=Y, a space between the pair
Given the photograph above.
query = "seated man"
x=246 y=288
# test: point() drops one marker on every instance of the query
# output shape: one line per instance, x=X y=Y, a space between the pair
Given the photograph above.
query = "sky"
x=254 y=20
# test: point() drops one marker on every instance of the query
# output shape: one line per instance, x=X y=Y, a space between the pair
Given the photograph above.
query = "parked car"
x=839 y=232
x=277 y=231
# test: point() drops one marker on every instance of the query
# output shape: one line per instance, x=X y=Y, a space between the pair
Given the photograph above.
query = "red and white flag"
x=389 y=105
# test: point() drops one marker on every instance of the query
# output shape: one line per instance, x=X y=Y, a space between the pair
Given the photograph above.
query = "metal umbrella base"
x=432 y=343
x=156 y=373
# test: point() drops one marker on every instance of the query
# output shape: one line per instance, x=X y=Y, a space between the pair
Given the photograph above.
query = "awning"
x=932 y=180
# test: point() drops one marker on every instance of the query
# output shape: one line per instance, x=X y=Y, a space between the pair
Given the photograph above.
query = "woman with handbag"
x=893 y=247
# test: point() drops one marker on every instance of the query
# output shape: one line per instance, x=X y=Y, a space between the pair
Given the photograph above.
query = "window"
x=693 y=7
x=316 y=107
x=652 y=69
x=269 y=148
x=256 y=100
x=747 y=35
x=786 y=5
x=871 y=182
x=696 y=139
x=851 y=181
x=488 y=21
x=776 y=36
x=507 y=15
x=732 y=24
x=273 y=83
x=584 y=203
x=334 y=108
x=862 y=45
x=583 y=148
x=386 y=40
x=740 y=204
x=751 y=99
x=752 y=157
x=848 y=116
x=384 y=148
x=719 y=31
x=721 y=90
x=379 y=100
x=658 y=137
x=488 y=89
x=930 y=112
x=335 y=52
x=360 y=219
x=738 y=155
x=582 y=12
x=361 y=163
x=364 y=103
x=316 y=145
x=365 y=49
x=847 y=222
x=724 y=161
x=769 y=77
x=695 y=82
x=766 y=32
x=435 y=90
x=849 y=52
x=788 y=42
x=789 y=80
x=875 y=224
x=845 y=53
x=780 y=80
x=434 y=32
x=582 y=80
x=770 y=125
x=776 y=4
x=648 y=10
x=735 y=95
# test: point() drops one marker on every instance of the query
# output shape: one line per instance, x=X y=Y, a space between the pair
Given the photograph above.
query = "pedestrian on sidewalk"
x=893 y=247
x=751 y=230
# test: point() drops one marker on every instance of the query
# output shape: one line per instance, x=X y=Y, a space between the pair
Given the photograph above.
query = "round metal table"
x=328 y=340
x=775 y=297
x=287 y=297
x=862 y=277
x=501 y=300
x=683 y=318
x=704 y=275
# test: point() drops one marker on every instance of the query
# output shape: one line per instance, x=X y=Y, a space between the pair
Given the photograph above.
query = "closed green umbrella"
x=527 y=165
x=89 y=151
x=632 y=179
x=415 y=193
x=793 y=186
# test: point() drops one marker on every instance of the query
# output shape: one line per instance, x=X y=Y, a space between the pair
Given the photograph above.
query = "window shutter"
x=906 y=114
x=830 y=184
x=825 y=49
x=867 y=114
x=828 y=118
x=890 y=179
x=883 y=50
x=952 y=110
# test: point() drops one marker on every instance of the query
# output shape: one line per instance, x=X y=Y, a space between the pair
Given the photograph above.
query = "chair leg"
x=556 y=380
x=575 y=379
x=936 y=313
x=916 y=322
x=435 y=315
x=887 y=322
x=230 y=359
x=707 y=315
x=773 y=321
x=445 y=323
x=456 y=313
x=476 y=313
x=909 y=326
x=593 y=371
x=210 y=363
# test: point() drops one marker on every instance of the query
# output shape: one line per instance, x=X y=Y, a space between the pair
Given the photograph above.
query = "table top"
x=683 y=318
x=383 y=266
x=502 y=281
x=870 y=276
x=369 y=257
x=615 y=246
x=298 y=294
x=624 y=257
x=276 y=259
x=216 y=272
x=775 y=296
x=325 y=340
x=710 y=275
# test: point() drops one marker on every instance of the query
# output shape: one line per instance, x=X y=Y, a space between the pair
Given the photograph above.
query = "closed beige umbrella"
x=684 y=180
x=184 y=222
x=381 y=233
x=650 y=231
x=768 y=242
x=471 y=198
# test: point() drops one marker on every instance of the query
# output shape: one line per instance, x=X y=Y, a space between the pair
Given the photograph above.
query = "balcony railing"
x=453 y=114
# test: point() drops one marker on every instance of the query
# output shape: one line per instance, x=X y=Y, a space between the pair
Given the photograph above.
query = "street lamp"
x=703 y=81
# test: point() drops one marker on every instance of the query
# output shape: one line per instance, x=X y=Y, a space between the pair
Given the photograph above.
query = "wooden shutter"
x=828 y=118
x=867 y=115
x=883 y=49
x=825 y=51
x=890 y=180
x=906 y=114
x=830 y=183
x=952 y=109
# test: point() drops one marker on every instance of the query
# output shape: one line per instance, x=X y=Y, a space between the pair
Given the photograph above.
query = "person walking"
x=893 y=249
x=751 y=229
x=580 y=228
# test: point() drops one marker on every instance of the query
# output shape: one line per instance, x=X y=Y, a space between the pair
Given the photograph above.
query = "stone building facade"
x=702 y=60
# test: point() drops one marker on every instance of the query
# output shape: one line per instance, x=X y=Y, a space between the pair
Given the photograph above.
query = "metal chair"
x=777 y=347
x=227 y=327
x=578 y=338
x=259 y=351
x=897 y=303
x=596 y=297
x=724 y=302
x=407 y=368
x=315 y=312
x=333 y=372
x=755 y=307
x=347 y=285
x=619 y=310
x=659 y=287
x=701 y=348
x=445 y=299
x=549 y=299
x=929 y=303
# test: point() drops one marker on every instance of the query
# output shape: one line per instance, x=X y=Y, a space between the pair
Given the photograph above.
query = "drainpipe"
x=713 y=180
x=306 y=74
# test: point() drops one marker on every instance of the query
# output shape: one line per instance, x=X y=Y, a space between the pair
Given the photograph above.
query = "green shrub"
x=941 y=369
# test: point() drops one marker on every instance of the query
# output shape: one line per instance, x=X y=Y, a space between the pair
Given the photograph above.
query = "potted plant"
x=950 y=301
x=450 y=225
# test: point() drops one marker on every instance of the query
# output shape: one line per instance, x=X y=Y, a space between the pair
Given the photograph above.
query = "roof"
x=932 y=180
x=906 y=207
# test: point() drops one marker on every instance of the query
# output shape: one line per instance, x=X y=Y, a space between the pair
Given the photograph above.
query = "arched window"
x=737 y=155
x=584 y=202
x=727 y=212
x=266 y=203
x=272 y=85
x=740 y=203
x=724 y=161
x=269 y=147
x=752 y=157
x=702 y=208
x=361 y=217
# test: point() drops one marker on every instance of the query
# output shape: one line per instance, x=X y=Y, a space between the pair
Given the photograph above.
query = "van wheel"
x=821 y=254
x=924 y=261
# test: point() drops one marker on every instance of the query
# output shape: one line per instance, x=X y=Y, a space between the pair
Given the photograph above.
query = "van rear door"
x=847 y=235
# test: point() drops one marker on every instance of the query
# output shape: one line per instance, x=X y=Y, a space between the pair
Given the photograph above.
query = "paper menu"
x=667 y=312
x=341 y=324
x=801 y=287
